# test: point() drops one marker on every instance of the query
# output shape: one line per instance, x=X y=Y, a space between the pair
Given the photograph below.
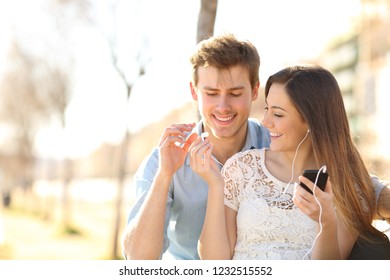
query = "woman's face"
x=286 y=126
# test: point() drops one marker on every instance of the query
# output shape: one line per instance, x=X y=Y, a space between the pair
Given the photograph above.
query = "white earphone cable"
x=292 y=165
x=323 y=169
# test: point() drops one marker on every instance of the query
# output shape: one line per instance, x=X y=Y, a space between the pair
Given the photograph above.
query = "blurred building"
x=360 y=60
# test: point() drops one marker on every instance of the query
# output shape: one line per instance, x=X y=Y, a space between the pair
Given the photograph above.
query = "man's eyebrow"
x=216 y=89
x=209 y=88
x=237 y=88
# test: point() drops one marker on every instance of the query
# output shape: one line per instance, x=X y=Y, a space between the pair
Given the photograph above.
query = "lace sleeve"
x=233 y=176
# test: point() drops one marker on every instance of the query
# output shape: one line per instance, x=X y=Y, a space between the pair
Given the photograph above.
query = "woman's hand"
x=202 y=161
x=320 y=202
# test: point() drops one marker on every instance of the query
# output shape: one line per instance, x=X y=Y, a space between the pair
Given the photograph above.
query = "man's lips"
x=224 y=119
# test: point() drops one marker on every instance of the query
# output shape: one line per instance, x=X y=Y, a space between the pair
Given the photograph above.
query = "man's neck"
x=224 y=148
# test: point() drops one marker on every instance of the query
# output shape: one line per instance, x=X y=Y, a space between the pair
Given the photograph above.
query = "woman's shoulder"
x=247 y=156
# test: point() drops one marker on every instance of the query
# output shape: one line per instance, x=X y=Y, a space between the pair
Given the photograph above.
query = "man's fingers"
x=189 y=141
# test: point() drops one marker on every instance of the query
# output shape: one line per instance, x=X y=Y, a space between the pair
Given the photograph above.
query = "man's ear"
x=193 y=92
x=255 y=92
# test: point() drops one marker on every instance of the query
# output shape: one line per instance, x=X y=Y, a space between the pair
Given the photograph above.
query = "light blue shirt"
x=187 y=196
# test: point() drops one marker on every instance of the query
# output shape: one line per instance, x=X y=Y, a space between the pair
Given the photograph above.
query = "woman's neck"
x=287 y=166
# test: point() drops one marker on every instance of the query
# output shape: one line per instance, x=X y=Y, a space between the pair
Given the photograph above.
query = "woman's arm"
x=334 y=241
x=213 y=242
x=214 y=239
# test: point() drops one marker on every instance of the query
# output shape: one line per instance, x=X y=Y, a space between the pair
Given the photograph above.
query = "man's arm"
x=384 y=202
x=144 y=234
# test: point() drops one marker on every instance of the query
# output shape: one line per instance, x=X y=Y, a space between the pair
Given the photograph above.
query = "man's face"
x=224 y=99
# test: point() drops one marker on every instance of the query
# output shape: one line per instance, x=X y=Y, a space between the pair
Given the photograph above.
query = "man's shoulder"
x=258 y=134
x=255 y=123
x=149 y=164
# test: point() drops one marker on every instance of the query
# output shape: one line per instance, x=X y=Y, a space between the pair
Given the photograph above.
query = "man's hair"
x=225 y=51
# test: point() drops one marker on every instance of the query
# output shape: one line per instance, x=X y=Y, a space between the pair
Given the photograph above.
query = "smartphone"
x=312 y=175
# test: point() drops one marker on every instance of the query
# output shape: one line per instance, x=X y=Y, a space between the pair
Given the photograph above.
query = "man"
x=171 y=201
x=383 y=199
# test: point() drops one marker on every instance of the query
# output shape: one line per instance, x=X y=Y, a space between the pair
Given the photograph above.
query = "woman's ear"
x=193 y=92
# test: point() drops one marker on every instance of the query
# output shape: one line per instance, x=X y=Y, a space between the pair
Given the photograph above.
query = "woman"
x=265 y=216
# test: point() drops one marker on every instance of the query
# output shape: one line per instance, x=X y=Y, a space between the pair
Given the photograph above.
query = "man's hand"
x=173 y=146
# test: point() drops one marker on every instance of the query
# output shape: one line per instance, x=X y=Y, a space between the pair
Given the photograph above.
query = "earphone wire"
x=292 y=165
x=320 y=215
x=216 y=160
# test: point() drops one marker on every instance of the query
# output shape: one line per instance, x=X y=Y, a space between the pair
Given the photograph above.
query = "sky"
x=284 y=32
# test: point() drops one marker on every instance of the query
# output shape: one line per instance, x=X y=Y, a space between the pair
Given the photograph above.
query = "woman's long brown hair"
x=316 y=94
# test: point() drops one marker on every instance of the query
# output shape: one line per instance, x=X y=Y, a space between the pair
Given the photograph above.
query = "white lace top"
x=269 y=225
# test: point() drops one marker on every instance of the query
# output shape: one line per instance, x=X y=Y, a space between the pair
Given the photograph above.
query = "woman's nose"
x=266 y=122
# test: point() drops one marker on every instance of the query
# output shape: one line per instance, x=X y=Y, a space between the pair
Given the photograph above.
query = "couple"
x=176 y=183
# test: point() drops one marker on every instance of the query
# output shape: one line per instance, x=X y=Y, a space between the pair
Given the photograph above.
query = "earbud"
x=308 y=130
x=204 y=135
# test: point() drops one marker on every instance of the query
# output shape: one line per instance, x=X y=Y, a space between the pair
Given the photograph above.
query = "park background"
x=87 y=87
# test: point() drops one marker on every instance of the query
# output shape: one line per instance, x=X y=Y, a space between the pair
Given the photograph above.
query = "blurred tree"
x=57 y=90
x=206 y=19
x=38 y=85
x=57 y=86
x=110 y=31
x=22 y=111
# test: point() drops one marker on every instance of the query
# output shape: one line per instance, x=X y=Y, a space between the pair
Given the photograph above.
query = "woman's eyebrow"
x=278 y=107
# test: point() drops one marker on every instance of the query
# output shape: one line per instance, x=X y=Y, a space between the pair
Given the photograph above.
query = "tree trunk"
x=206 y=22
x=119 y=196
x=206 y=19
x=121 y=183
x=67 y=176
